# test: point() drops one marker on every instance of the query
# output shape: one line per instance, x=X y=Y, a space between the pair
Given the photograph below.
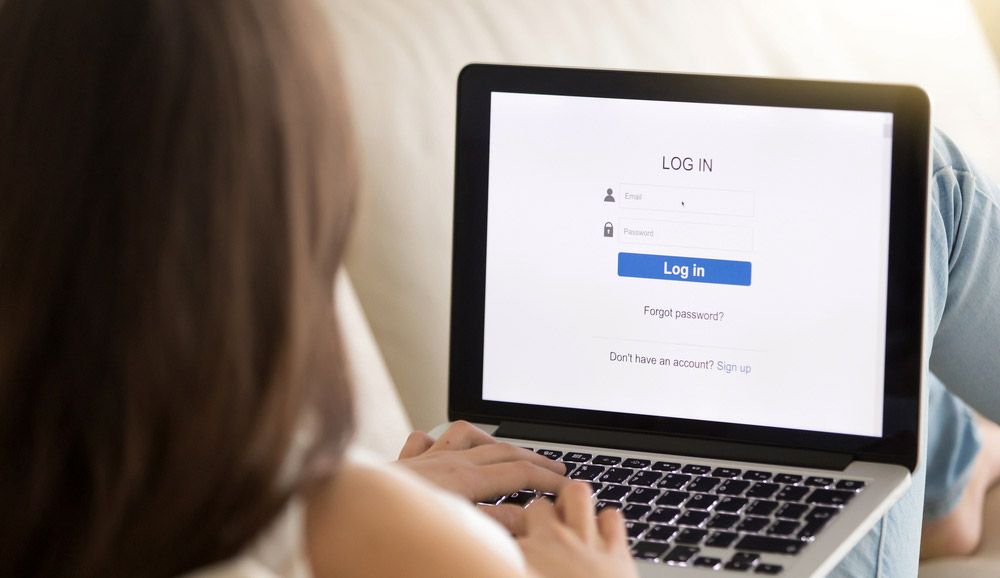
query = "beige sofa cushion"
x=382 y=422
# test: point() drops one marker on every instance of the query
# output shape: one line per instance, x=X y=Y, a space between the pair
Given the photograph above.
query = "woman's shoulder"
x=375 y=519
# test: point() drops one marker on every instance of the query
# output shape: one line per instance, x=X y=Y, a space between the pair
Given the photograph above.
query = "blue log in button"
x=692 y=269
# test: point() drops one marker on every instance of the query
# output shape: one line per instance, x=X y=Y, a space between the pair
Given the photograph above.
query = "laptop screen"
x=714 y=262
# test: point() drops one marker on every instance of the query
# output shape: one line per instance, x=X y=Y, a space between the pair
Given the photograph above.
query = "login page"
x=701 y=261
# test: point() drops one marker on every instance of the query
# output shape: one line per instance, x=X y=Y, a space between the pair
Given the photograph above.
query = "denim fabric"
x=964 y=320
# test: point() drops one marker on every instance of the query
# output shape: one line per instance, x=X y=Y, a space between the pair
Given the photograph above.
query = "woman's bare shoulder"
x=369 y=522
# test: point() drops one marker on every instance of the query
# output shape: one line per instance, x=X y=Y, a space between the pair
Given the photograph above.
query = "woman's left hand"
x=470 y=462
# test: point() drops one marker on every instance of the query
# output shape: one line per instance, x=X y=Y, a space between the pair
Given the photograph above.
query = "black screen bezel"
x=907 y=246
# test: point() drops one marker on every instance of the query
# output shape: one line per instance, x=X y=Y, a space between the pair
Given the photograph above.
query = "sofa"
x=401 y=58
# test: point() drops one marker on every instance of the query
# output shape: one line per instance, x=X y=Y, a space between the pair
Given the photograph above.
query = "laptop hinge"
x=666 y=444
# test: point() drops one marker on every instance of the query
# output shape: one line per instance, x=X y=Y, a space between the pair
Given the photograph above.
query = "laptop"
x=704 y=294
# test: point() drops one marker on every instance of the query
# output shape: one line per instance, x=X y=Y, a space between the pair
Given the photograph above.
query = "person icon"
x=610 y=197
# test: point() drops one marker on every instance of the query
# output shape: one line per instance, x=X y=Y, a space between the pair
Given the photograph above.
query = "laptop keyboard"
x=674 y=510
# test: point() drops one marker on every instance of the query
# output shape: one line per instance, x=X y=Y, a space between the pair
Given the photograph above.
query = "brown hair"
x=175 y=188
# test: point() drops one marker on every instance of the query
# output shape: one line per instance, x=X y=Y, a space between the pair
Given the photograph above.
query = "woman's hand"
x=568 y=540
x=469 y=462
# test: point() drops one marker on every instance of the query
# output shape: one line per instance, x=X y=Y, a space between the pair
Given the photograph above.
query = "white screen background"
x=801 y=194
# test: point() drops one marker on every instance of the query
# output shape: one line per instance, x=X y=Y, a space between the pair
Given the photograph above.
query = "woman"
x=177 y=183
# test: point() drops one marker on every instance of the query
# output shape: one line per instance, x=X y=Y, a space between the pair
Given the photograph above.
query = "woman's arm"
x=374 y=523
x=368 y=523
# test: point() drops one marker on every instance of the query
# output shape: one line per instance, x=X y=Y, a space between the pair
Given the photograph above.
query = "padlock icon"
x=609 y=229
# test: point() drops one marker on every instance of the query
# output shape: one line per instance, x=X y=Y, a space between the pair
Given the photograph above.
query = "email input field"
x=690 y=235
x=687 y=200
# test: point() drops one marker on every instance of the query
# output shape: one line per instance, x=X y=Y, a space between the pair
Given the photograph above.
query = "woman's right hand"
x=568 y=540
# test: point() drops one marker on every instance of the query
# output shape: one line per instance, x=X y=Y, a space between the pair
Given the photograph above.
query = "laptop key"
x=821 y=513
x=642 y=495
x=721 y=539
x=636 y=463
x=587 y=472
x=520 y=498
x=692 y=518
x=812 y=528
x=726 y=472
x=696 y=469
x=606 y=460
x=753 y=524
x=595 y=487
x=635 y=511
x=787 y=478
x=577 y=457
x=665 y=466
x=748 y=557
x=635 y=529
x=671 y=498
x=673 y=481
x=731 y=505
x=732 y=487
x=756 y=475
x=768 y=569
x=701 y=501
x=551 y=454
x=769 y=544
x=663 y=515
x=792 y=493
x=722 y=521
x=680 y=554
x=762 y=490
x=850 y=485
x=645 y=478
x=791 y=511
x=818 y=482
x=661 y=532
x=830 y=497
x=613 y=492
x=608 y=504
x=569 y=468
x=703 y=484
x=649 y=550
x=738 y=566
x=762 y=507
x=617 y=475
x=783 y=528
x=492 y=501
x=707 y=562
x=690 y=536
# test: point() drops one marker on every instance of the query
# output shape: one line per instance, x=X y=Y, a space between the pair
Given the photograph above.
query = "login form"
x=701 y=261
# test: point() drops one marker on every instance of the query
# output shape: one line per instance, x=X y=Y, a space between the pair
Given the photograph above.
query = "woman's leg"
x=964 y=319
x=965 y=307
x=965 y=302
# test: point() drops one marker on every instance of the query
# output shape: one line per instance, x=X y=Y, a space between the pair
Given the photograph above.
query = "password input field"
x=689 y=235
x=687 y=200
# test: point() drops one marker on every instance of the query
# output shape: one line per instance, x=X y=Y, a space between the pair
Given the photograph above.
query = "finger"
x=510 y=516
x=462 y=435
x=576 y=508
x=539 y=517
x=505 y=452
x=611 y=528
x=507 y=477
x=416 y=443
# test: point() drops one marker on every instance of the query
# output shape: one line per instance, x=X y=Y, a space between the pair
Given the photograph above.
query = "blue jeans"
x=964 y=320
